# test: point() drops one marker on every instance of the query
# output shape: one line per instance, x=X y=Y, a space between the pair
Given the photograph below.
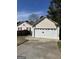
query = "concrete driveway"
x=38 y=50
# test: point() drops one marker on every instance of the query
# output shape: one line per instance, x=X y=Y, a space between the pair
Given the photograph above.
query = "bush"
x=23 y=33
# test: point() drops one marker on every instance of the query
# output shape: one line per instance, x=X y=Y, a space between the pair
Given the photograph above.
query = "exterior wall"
x=32 y=32
x=25 y=26
x=58 y=31
x=46 y=23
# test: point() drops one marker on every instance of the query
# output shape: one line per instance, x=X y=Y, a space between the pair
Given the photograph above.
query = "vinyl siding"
x=46 y=23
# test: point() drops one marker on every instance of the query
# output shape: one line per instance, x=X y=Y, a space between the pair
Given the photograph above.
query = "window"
x=54 y=28
x=46 y=29
x=26 y=28
x=20 y=28
x=42 y=28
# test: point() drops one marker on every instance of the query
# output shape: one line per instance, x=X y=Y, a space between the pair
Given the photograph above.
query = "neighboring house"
x=45 y=28
x=24 y=26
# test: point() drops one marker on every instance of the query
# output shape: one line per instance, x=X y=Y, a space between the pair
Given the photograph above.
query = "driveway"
x=38 y=50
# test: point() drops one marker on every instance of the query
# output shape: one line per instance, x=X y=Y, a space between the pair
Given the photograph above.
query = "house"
x=24 y=26
x=45 y=28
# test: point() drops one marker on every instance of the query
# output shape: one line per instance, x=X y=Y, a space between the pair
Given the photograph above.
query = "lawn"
x=21 y=40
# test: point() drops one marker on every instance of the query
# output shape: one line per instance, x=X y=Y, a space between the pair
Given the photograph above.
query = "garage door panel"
x=38 y=33
x=44 y=33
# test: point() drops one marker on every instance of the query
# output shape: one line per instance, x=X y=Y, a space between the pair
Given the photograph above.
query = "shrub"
x=23 y=33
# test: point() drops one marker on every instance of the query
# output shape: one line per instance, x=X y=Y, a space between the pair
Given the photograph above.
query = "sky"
x=27 y=7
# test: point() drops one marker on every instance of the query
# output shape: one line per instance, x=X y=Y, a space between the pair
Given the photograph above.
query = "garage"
x=45 y=32
x=45 y=28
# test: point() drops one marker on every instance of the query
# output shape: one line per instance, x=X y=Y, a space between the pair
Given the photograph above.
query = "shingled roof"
x=21 y=22
x=42 y=18
x=35 y=23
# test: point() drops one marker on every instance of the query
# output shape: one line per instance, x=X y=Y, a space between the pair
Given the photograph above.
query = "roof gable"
x=45 y=23
x=41 y=19
x=26 y=24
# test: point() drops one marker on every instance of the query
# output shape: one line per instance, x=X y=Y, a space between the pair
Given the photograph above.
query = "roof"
x=19 y=23
x=38 y=21
x=43 y=19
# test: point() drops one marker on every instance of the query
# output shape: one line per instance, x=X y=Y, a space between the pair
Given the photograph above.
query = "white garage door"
x=46 y=33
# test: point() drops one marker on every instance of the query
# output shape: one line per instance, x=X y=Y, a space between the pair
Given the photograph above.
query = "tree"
x=54 y=12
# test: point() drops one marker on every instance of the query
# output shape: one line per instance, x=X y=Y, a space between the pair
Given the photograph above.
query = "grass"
x=59 y=44
x=21 y=40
